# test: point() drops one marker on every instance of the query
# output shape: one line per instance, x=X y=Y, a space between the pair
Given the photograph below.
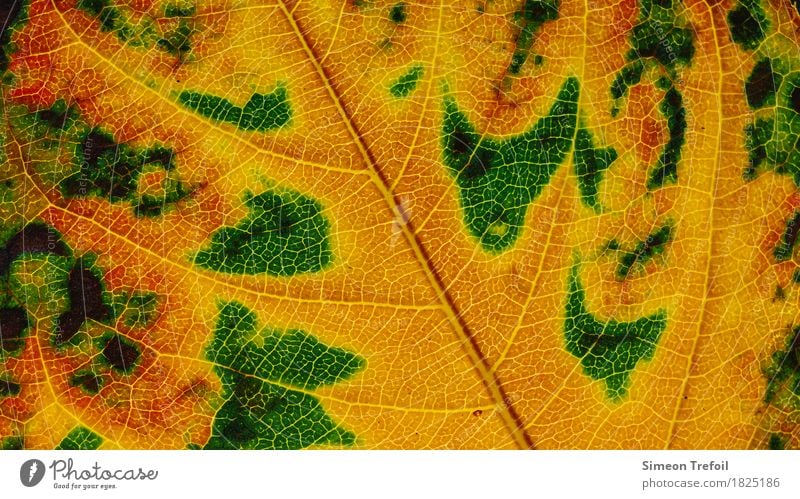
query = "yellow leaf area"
x=487 y=284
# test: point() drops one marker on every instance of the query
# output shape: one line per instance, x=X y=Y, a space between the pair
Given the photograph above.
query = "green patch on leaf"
x=776 y=442
x=33 y=238
x=266 y=376
x=644 y=251
x=783 y=374
x=608 y=350
x=662 y=33
x=177 y=42
x=757 y=136
x=14 y=442
x=498 y=179
x=666 y=170
x=590 y=165
x=533 y=15
x=39 y=280
x=284 y=234
x=115 y=20
x=748 y=24
x=262 y=112
x=407 y=83
x=171 y=34
x=136 y=309
x=629 y=75
x=80 y=438
x=663 y=41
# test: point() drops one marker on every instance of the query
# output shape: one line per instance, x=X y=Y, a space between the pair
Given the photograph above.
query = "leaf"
x=80 y=439
x=516 y=224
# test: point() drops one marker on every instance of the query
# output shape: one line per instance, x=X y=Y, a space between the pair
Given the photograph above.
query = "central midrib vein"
x=506 y=410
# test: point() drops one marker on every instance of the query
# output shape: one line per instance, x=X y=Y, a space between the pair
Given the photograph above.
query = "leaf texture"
x=377 y=224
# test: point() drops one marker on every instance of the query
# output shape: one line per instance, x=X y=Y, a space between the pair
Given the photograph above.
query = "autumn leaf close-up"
x=370 y=224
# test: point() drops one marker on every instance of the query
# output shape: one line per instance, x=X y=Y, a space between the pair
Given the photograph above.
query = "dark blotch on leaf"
x=461 y=142
x=107 y=169
x=9 y=14
x=121 y=353
x=762 y=84
x=67 y=325
x=794 y=100
x=9 y=388
x=398 y=13
x=9 y=10
x=783 y=251
x=86 y=293
x=96 y=144
x=87 y=381
x=748 y=24
x=33 y=238
x=56 y=118
x=111 y=171
x=478 y=164
x=13 y=323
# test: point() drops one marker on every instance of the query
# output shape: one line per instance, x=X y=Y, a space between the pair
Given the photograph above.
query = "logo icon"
x=31 y=472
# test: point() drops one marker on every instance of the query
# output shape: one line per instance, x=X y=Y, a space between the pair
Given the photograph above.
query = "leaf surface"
x=507 y=224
